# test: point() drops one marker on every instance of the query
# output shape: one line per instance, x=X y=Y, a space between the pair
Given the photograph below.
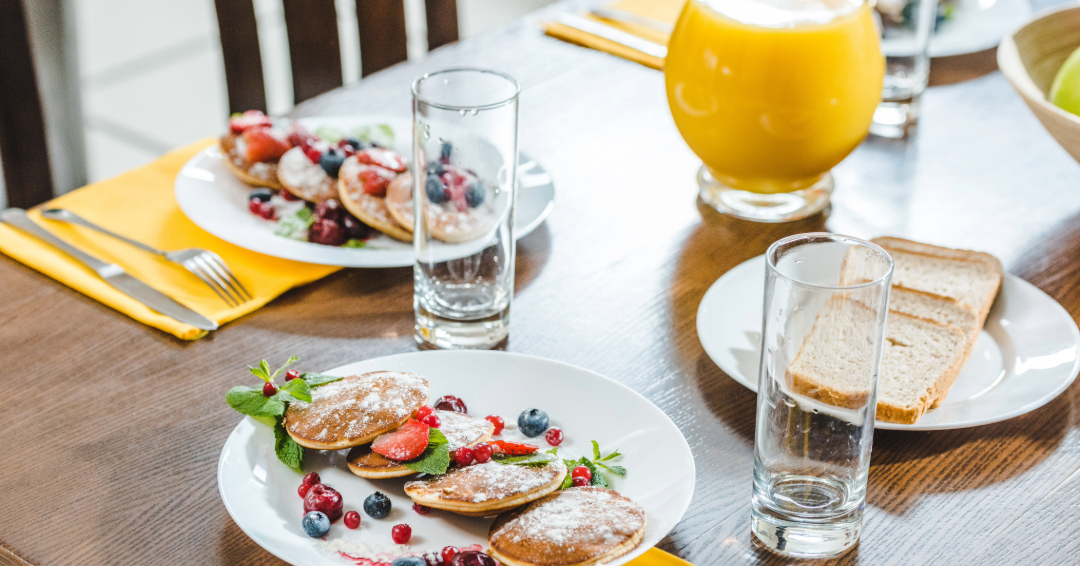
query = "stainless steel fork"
x=204 y=264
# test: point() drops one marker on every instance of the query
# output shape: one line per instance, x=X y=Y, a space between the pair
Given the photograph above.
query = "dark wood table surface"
x=111 y=431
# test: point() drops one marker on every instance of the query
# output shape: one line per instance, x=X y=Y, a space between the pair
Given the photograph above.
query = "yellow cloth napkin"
x=666 y=11
x=140 y=205
x=657 y=557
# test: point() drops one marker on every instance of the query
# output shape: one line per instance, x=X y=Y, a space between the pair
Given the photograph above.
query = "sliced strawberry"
x=250 y=119
x=263 y=145
x=375 y=179
x=382 y=158
x=514 y=448
x=406 y=443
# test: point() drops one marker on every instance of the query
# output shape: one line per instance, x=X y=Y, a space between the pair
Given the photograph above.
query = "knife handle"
x=17 y=217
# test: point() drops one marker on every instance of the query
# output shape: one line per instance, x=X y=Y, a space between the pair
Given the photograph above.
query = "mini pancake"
x=256 y=174
x=460 y=430
x=399 y=200
x=579 y=526
x=369 y=209
x=307 y=180
x=356 y=409
x=453 y=226
x=485 y=490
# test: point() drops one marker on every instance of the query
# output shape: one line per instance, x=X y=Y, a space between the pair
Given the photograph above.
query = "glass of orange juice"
x=771 y=95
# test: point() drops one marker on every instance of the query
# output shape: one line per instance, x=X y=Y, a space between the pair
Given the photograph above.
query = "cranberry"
x=303 y=489
x=554 y=436
x=327 y=232
x=582 y=472
x=291 y=375
x=448 y=554
x=464 y=456
x=580 y=482
x=401 y=533
x=255 y=205
x=431 y=420
x=352 y=520
x=482 y=453
x=355 y=229
x=451 y=403
x=269 y=389
x=285 y=194
x=323 y=498
x=312 y=478
x=472 y=558
x=331 y=209
x=266 y=210
x=497 y=421
x=421 y=509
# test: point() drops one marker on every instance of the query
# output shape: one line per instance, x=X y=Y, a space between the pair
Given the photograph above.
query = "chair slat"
x=23 y=149
x=240 y=50
x=382 y=34
x=442 y=22
x=314 y=48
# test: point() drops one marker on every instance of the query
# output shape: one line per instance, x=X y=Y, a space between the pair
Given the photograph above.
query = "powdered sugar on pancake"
x=462 y=430
x=357 y=406
x=487 y=482
x=449 y=224
x=303 y=178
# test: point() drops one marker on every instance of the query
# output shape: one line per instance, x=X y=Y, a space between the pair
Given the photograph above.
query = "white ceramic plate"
x=1026 y=355
x=216 y=201
x=260 y=492
x=977 y=25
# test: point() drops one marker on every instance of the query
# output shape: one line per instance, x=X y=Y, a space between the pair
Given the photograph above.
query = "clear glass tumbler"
x=826 y=300
x=464 y=184
x=906 y=27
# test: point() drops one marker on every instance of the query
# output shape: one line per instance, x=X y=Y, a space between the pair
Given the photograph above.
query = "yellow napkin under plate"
x=666 y=11
x=140 y=204
x=657 y=557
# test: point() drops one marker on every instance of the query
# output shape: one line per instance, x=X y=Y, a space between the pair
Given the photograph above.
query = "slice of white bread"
x=835 y=362
x=920 y=361
x=941 y=310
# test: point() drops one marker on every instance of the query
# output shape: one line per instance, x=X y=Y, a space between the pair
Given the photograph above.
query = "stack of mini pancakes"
x=538 y=524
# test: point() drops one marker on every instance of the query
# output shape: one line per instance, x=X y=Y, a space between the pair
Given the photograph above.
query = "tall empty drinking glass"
x=826 y=300
x=463 y=194
x=906 y=27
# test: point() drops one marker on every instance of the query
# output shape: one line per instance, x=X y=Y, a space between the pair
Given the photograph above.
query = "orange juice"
x=772 y=94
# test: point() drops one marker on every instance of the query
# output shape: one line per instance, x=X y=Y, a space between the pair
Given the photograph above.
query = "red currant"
x=554 y=436
x=313 y=154
x=352 y=520
x=401 y=533
x=431 y=420
x=448 y=554
x=266 y=210
x=285 y=194
x=421 y=509
x=304 y=487
x=482 y=453
x=255 y=205
x=424 y=411
x=269 y=389
x=580 y=482
x=464 y=456
x=582 y=472
x=291 y=375
x=497 y=421
x=312 y=478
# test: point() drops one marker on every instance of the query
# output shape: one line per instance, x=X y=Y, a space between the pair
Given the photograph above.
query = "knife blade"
x=617 y=15
x=113 y=274
x=611 y=34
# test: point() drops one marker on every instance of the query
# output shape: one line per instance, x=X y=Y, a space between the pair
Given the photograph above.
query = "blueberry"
x=262 y=195
x=377 y=505
x=474 y=195
x=533 y=422
x=436 y=192
x=331 y=162
x=355 y=143
x=409 y=561
x=316 y=524
x=445 y=151
x=435 y=168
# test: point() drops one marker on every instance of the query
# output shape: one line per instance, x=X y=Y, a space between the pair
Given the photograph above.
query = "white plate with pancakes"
x=1027 y=354
x=260 y=492
x=216 y=201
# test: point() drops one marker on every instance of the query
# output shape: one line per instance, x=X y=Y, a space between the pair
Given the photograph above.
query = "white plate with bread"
x=1016 y=348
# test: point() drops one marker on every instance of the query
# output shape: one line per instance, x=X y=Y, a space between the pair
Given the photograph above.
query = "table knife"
x=112 y=274
x=617 y=15
x=611 y=34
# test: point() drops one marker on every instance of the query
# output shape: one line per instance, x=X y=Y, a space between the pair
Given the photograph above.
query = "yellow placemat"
x=666 y=11
x=657 y=557
x=140 y=204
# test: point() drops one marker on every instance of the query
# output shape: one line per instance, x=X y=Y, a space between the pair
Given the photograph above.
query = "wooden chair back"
x=314 y=48
x=23 y=150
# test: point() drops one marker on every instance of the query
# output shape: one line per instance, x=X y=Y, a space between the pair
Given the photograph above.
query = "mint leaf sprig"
x=252 y=402
x=436 y=457
x=595 y=464
x=536 y=459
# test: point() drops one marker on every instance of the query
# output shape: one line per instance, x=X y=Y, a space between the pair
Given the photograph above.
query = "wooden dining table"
x=111 y=431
